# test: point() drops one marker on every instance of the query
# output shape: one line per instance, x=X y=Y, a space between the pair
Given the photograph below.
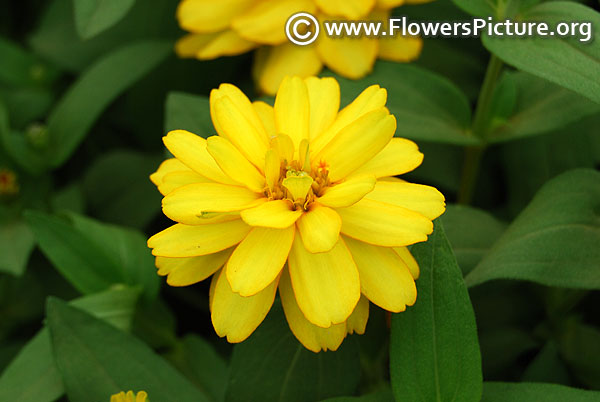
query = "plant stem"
x=474 y=153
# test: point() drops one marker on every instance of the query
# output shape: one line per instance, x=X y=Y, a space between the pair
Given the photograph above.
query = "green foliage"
x=97 y=360
x=564 y=61
x=526 y=392
x=273 y=366
x=95 y=16
x=188 y=112
x=434 y=353
x=558 y=229
x=16 y=244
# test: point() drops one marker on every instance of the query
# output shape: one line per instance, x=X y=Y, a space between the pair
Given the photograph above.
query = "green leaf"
x=33 y=376
x=477 y=7
x=96 y=88
x=97 y=360
x=580 y=348
x=427 y=106
x=535 y=392
x=119 y=190
x=95 y=16
x=92 y=256
x=16 y=244
x=188 y=112
x=471 y=232
x=198 y=360
x=564 y=61
x=500 y=9
x=434 y=353
x=540 y=107
x=272 y=365
x=20 y=68
x=547 y=366
x=554 y=241
x=382 y=395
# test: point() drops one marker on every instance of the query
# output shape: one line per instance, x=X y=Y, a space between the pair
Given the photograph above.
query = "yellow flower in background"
x=298 y=197
x=8 y=182
x=231 y=27
x=129 y=397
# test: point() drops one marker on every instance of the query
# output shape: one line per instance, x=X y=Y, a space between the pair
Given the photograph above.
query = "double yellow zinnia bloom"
x=231 y=27
x=297 y=197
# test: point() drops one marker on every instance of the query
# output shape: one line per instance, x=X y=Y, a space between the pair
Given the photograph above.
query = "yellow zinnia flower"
x=297 y=197
x=129 y=397
x=231 y=27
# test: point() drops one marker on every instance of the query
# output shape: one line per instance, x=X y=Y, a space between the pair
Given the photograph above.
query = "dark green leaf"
x=188 y=112
x=580 y=347
x=434 y=353
x=547 y=366
x=20 y=68
x=95 y=16
x=383 y=395
x=471 y=232
x=33 y=376
x=92 y=256
x=97 y=360
x=565 y=61
x=541 y=107
x=119 y=190
x=16 y=244
x=532 y=392
x=198 y=360
x=554 y=241
x=96 y=88
x=272 y=365
x=427 y=106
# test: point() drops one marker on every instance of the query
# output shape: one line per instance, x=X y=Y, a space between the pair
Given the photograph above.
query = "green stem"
x=473 y=154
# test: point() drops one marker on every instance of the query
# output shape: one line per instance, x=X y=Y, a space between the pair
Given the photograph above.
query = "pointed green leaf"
x=95 y=16
x=188 y=112
x=434 y=353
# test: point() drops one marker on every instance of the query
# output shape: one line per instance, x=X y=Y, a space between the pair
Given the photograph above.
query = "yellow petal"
x=191 y=241
x=187 y=271
x=166 y=167
x=272 y=168
x=326 y=285
x=141 y=396
x=234 y=164
x=348 y=192
x=324 y=100
x=425 y=200
x=292 y=109
x=191 y=150
x=409 y=260
x=358 y=142
x=401 y=49
x=208 y=15
x=370 y=99
x=398 y=157
x=384 y=277
x=265 y=22
x=273 y=64
x=258 y=259
x=298 y=186
x=350 y=9
x=188 y=204
x=383 y=224
x=278 y=214
x=266 y=115
x=387 y=4
x=320 y=228
x=350 y=57
x=357 y=322
x=207 y=46
x=234 y=118
x=234 y=316
x=311 y=336
x=284 y=146
x=173 y=181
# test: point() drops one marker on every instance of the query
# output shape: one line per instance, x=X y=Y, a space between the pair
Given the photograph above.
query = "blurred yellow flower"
x=8 y=182
x=129 y=397
x=231 y=27
x=297 y=197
